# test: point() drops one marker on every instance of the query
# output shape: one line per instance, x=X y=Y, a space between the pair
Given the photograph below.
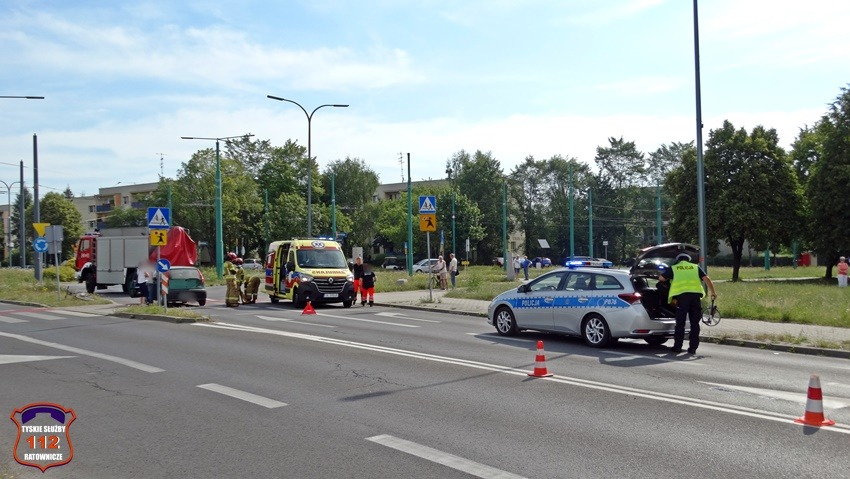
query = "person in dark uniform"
x=367 y=288
x=686 y=289
x=358 y=278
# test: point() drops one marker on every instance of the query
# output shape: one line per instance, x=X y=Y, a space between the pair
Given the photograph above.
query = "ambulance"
x=311 y=269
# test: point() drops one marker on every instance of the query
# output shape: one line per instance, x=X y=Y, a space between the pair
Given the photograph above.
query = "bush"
x=66 y=273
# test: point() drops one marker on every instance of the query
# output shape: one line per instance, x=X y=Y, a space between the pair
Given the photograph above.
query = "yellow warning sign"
x=159 y=237
x=428 y=222
x=40 y=228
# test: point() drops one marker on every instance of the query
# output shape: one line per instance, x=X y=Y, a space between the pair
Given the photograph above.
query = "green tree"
x=125 y=217
x=56 y=209
x=28 y=233
x=751 y=192
x=621 y=162
x=354 y=182
x=826 y=148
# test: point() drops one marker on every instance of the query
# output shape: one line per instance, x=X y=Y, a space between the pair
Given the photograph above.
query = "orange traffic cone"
x=814 y=406
x=540 y=370
x=308 y=309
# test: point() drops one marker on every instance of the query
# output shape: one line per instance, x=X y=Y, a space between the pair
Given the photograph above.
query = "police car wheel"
x=596 y=332
x=505 y=322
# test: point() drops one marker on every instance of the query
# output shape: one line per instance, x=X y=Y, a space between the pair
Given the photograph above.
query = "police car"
x=601 y=305
x=588 y=261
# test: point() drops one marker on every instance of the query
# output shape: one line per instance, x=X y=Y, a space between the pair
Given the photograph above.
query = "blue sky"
x=124 y=80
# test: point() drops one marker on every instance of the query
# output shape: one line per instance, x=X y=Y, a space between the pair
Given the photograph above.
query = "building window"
x=126 y=200
x=91 y=208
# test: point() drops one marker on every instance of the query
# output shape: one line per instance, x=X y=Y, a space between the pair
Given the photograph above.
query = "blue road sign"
x=159 y=218
x=163 y=265
x=40 y=244
x=427 y=204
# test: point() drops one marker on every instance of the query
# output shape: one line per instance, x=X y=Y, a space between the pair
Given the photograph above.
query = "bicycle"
x=711 y=315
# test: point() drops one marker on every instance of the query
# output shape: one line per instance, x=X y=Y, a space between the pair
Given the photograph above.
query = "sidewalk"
x=792 y=337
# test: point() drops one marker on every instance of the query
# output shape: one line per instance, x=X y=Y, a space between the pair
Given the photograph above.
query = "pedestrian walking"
x=686 y=289
x=142 y=282
x=842 y=272
x=231 y=298
x=453 y=269
x=524 y=262
x=357 y=269
x=441 y=271
x=368 y=287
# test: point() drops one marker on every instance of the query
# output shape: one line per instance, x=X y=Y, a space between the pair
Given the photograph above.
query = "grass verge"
x=20 y=285
x=155 y=310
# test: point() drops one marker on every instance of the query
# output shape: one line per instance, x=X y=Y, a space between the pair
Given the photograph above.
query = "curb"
x=744 y=343
x=24 y=303
x=156 y=317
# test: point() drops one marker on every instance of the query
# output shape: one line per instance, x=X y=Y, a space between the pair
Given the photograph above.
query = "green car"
x=186 y=284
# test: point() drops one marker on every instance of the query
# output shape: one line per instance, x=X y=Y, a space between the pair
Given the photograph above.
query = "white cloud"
x=642 y=85
x=214 y=55
x=609 y=12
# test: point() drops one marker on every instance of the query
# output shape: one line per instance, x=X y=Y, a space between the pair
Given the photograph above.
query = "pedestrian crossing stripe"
x=48 y=317
x=6 y=319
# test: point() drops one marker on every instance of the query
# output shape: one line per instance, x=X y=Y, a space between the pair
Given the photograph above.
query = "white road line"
x=631 y=357
x=797 y=397
x=86 y=352
x=585 y=383
x=48 y=317
x=6 y=319
x=19 y=358
x=449 y=460
x=75 y=313
x=245 y=396
x=497 y=339
x=348 y=318
x=286 y=320
x=401 y=316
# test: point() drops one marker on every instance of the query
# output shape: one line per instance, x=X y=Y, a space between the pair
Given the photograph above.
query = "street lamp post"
x=8 y=224
x=25 y=97
x=309 y=155
x=449 y=172
x=700 y=171
x=219 y=230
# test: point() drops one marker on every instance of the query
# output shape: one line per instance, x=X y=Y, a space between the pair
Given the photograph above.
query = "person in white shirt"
x=453 y=268
x=441 y=272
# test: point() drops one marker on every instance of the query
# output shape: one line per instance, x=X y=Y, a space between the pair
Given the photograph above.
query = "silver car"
x=600 y=305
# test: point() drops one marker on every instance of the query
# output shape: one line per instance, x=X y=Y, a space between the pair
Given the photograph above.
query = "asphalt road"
x=382 y=392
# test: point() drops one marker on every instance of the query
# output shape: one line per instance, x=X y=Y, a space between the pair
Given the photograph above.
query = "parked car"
x=253 y=263
x=393 y=262
x=542 y=261
x=186 y=284
x=424 y=265
x=599 y=305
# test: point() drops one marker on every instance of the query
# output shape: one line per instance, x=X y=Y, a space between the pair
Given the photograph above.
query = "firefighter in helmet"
x=231 y=298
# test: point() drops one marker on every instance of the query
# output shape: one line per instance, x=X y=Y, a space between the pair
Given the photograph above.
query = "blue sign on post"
x=40 y=245
x=427 y=204
x=159 y=218
x=163 y=265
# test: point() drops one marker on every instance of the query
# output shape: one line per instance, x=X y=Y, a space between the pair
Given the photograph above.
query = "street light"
x=28 y=97
x=219 y=234
x=452 y=185
x=8 y=225
x=309 y=156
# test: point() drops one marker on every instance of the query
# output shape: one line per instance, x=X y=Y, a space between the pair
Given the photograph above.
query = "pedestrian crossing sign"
x=158 y=238
x=427 y=204
x=159 y=218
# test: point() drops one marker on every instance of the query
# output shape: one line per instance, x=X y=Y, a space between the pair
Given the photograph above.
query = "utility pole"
x=333 y=203
x=658 y=214
x=266 y=217
x=22 y=237
x=572 y=217
x=590 y=222
x=36 y=206
x=700 y=173
x=409 y=221
x=505 y=225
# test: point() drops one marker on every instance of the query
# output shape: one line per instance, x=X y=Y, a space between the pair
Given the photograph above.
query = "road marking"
x=496 y=338
x=76 y=313
x=21 y=358
x=585 y=383
x=48 y=317
x=631 y=357
x=6 y=319
x=286 y=320
x=245 y=396
x=401 y=316
x=86 y=352
x=449 y=460
x=367 y=320
x=797 y=397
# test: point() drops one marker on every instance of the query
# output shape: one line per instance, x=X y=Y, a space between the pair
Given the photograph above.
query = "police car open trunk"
x=649 y=264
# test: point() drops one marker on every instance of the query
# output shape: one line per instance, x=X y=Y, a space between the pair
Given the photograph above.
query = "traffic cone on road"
x=814 y=406
x=540 y=370
x=308 y=309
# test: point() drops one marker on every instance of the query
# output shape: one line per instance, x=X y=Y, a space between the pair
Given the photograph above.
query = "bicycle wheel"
x=711 y=315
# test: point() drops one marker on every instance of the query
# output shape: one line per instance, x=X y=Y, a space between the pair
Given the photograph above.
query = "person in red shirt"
x=842 y=272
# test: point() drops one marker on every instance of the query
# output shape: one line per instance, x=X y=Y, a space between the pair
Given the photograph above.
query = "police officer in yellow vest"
x=686 y=288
